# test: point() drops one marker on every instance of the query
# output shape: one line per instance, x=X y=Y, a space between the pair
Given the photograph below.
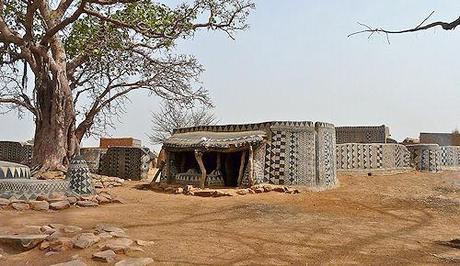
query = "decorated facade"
x=284 y=153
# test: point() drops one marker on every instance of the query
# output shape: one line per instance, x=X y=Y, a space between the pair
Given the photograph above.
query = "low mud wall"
x=374 y=156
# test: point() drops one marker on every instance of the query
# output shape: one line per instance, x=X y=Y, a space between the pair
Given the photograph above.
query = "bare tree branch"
x=420 y=27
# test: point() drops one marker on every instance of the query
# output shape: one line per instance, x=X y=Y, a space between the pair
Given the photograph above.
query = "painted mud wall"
x=15 y=152
x=442 y=139
x=357 y=156
x=293 y=153
x=365 y=134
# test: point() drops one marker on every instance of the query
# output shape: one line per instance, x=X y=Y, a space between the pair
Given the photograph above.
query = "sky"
x=295 y=62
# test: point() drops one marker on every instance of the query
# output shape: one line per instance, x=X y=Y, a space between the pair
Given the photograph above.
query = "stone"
x=39 y=205
x=59 y=205
x=118 y=200
x=279 y=189
x=102 y=199
x=75 y=262
x=85 y=240
x=44 y=245
x=179 y=190
x=119 y=245
x=204 y=193
x=54 y=236
x=188 y=189
x=72 y=200
x=268 y=188
x=20 y=206
x=105 y=256
x=42 y=198
x=4 y=202
x=22 y=242
x=104 y=235
x=119 y=234
x=144 y=243
x=106 y=194
x=87 y=203
x=61 y=244
x=108 y=228
x=135 y=262
x=259 y=190
x=62 y=198
x=70 y=229
x=46 y=229
x=244 y=191
x=219 y=193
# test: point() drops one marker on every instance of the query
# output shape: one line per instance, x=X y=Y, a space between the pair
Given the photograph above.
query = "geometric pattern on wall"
x=25 y=189
x=326 y=160
x=292 y=157
x=275 y=156
x=363 y=134
x=259 y=162
x=306 y=161
x=15 y=152
x=426 y=157
x=372 y=156
x=79 y=177
x=125 y=162
x=450 y=156
x=12 y=170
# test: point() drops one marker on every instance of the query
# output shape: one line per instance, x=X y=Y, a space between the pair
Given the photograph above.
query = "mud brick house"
x=281 y=152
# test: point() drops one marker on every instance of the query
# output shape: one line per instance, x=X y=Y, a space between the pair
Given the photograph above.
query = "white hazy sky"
x=296 y=63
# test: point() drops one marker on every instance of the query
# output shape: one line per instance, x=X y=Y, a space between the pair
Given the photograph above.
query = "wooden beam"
x=219 y=161
x=241 y=172
x=251 y=166
x=199 y=160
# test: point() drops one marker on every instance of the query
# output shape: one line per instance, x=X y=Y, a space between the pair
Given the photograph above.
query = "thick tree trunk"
x=55 y=141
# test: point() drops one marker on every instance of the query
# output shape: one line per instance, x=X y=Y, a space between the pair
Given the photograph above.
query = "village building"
x=282 y=153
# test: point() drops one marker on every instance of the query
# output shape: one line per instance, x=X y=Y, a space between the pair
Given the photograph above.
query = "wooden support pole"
x=219 y=162
x=199 y=160
x=241 y=172
x=251 y=166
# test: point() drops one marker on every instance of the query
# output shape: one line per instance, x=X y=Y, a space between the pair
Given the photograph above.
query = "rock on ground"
x=104 y=256
x=39 y=205
x=85 y=240
x=59 y=205
x=19 y=206
x=87 y=203
x=135 y=262
x=22 y=242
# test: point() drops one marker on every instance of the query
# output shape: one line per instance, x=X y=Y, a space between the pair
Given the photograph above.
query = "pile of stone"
x=102 y=181
x=193 y=191
x=57 y=201
x=109 y=243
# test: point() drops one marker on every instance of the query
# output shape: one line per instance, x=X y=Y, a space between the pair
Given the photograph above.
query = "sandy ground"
x=366 y=220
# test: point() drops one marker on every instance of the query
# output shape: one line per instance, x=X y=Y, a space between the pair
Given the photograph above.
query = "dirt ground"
x=366 y=220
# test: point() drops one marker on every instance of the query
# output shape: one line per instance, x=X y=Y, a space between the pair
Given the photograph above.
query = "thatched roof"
x=214 y=140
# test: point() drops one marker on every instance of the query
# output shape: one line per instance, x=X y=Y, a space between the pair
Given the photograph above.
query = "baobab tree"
x=73 y=63
x=424 y=25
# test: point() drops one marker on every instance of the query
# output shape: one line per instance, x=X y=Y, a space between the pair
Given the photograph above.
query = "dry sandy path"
x=367 y=220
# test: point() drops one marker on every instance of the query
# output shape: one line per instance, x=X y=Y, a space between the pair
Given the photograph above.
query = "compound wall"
x=442 y=139
x=425 y=157
x=92 y=156
x=126 y=162
x=450 y=157
x=15 y=152
x=374 y=156
x=371 y=134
